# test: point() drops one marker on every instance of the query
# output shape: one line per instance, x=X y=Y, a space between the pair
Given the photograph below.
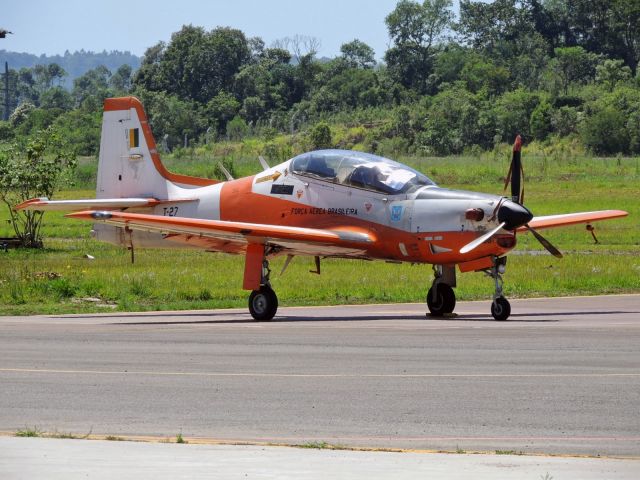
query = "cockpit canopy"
x=361 y=170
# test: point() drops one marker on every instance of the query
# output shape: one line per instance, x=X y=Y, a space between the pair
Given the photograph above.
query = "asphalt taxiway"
x=562 y=376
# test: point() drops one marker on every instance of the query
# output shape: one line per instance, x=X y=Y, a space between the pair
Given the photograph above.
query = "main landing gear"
x=500 y=307
x=441 y=299
x=263 y=303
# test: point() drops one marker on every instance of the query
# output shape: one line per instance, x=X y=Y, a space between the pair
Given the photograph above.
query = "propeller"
x=516 y=174
x=513 y=214
x=471 y=245
x=545 y=243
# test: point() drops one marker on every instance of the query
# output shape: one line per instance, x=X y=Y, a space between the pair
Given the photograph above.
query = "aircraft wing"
x=311 y=241
x=551 y=221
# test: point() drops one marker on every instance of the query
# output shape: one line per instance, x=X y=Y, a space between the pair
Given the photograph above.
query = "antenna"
x=263 y=162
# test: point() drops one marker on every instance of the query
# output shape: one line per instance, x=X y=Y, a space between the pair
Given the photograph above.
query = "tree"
x=21 y=114
x=479 y=74
x=56 y=98
x=611 y=72
x=237 y=129
x=573 y=64
x=120 y=81
x=540 y=123
x=171 y=116
x=513 y=112
x=46 y=75
x=455 y=121
x=609 y=27
x=35 y=169
x=604 y=132
x=270 y=82
x=222 y=108
x=196 y=64
x=415 y=30
x=300 y=45
x=92 y=88
x=496 y=28
x=358 y=54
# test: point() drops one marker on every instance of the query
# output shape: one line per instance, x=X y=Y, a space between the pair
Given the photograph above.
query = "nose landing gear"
x=500 y=307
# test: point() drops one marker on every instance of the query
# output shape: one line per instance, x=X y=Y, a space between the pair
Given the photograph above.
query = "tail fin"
x=129 y=164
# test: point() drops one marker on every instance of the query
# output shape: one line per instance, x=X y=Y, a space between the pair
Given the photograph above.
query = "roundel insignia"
x=396 y=213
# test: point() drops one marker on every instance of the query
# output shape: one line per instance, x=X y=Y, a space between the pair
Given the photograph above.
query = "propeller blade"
x=516 y=171
x=480 y=240
x=545 y=243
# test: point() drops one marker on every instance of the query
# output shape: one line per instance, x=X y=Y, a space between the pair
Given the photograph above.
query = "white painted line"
x=325 y=375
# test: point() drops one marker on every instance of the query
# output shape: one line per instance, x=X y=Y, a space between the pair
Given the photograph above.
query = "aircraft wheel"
x=444 y=302
x=263 y=304
x=500 y=308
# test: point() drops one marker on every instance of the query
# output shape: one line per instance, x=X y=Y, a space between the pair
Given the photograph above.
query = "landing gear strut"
x=500 y=307
x=263 y=303
x=441 y=299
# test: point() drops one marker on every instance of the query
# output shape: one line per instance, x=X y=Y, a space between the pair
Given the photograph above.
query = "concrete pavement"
x=56 y=459
x=562 y=376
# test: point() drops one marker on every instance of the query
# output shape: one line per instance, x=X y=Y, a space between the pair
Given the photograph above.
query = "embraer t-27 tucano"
x=324 y=204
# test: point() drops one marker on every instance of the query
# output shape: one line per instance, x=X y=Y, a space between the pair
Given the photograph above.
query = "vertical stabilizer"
x=129 y=164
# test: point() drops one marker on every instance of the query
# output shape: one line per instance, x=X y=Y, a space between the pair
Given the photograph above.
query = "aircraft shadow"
x=541 y=317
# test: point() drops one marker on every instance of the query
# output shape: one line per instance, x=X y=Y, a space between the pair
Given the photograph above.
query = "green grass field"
x=58 y=279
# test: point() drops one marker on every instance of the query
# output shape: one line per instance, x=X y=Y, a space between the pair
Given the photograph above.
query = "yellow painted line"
x=323 y=375
x=301 y=443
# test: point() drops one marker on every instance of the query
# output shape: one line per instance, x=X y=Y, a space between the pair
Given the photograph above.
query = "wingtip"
x=30 y=203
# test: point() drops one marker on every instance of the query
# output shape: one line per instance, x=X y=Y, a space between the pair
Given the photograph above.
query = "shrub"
x=604 y=132
x=321 y=136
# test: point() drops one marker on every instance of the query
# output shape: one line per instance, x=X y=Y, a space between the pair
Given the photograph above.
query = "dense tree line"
x=541 y=68
x=74 y=64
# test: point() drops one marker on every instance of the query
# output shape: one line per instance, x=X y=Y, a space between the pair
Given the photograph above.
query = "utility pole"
x=6 y=91
x=3 y=34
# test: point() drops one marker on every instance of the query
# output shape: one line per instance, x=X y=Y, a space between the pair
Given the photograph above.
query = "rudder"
x=129 y=164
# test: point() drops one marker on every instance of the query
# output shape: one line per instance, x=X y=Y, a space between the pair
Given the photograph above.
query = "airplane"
x=321 y=204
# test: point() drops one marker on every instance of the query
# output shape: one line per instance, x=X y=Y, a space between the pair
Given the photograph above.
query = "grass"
x=508 y=452
x=180 y=438
x=36 y=432
x=29 y=432
x=316 y=445
x=59 y=279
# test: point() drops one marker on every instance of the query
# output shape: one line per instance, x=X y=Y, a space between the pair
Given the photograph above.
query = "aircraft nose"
x=513 y=215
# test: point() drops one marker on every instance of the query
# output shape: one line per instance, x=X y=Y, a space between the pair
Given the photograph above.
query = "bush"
x=540 y=123
x=564 y=121
x=604 y=132
x=321 y=136
x=237 y=129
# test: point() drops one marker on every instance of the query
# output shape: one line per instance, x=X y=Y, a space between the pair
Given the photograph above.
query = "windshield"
x=358 y=169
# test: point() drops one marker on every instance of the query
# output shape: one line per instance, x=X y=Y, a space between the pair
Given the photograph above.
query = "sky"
x=51 y=27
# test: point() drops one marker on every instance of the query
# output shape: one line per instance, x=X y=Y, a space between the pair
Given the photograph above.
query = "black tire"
x=263 y=304
x=445 y=300
x=500 y=309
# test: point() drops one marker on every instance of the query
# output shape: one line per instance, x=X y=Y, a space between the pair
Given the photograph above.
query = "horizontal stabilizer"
x=44 y=204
